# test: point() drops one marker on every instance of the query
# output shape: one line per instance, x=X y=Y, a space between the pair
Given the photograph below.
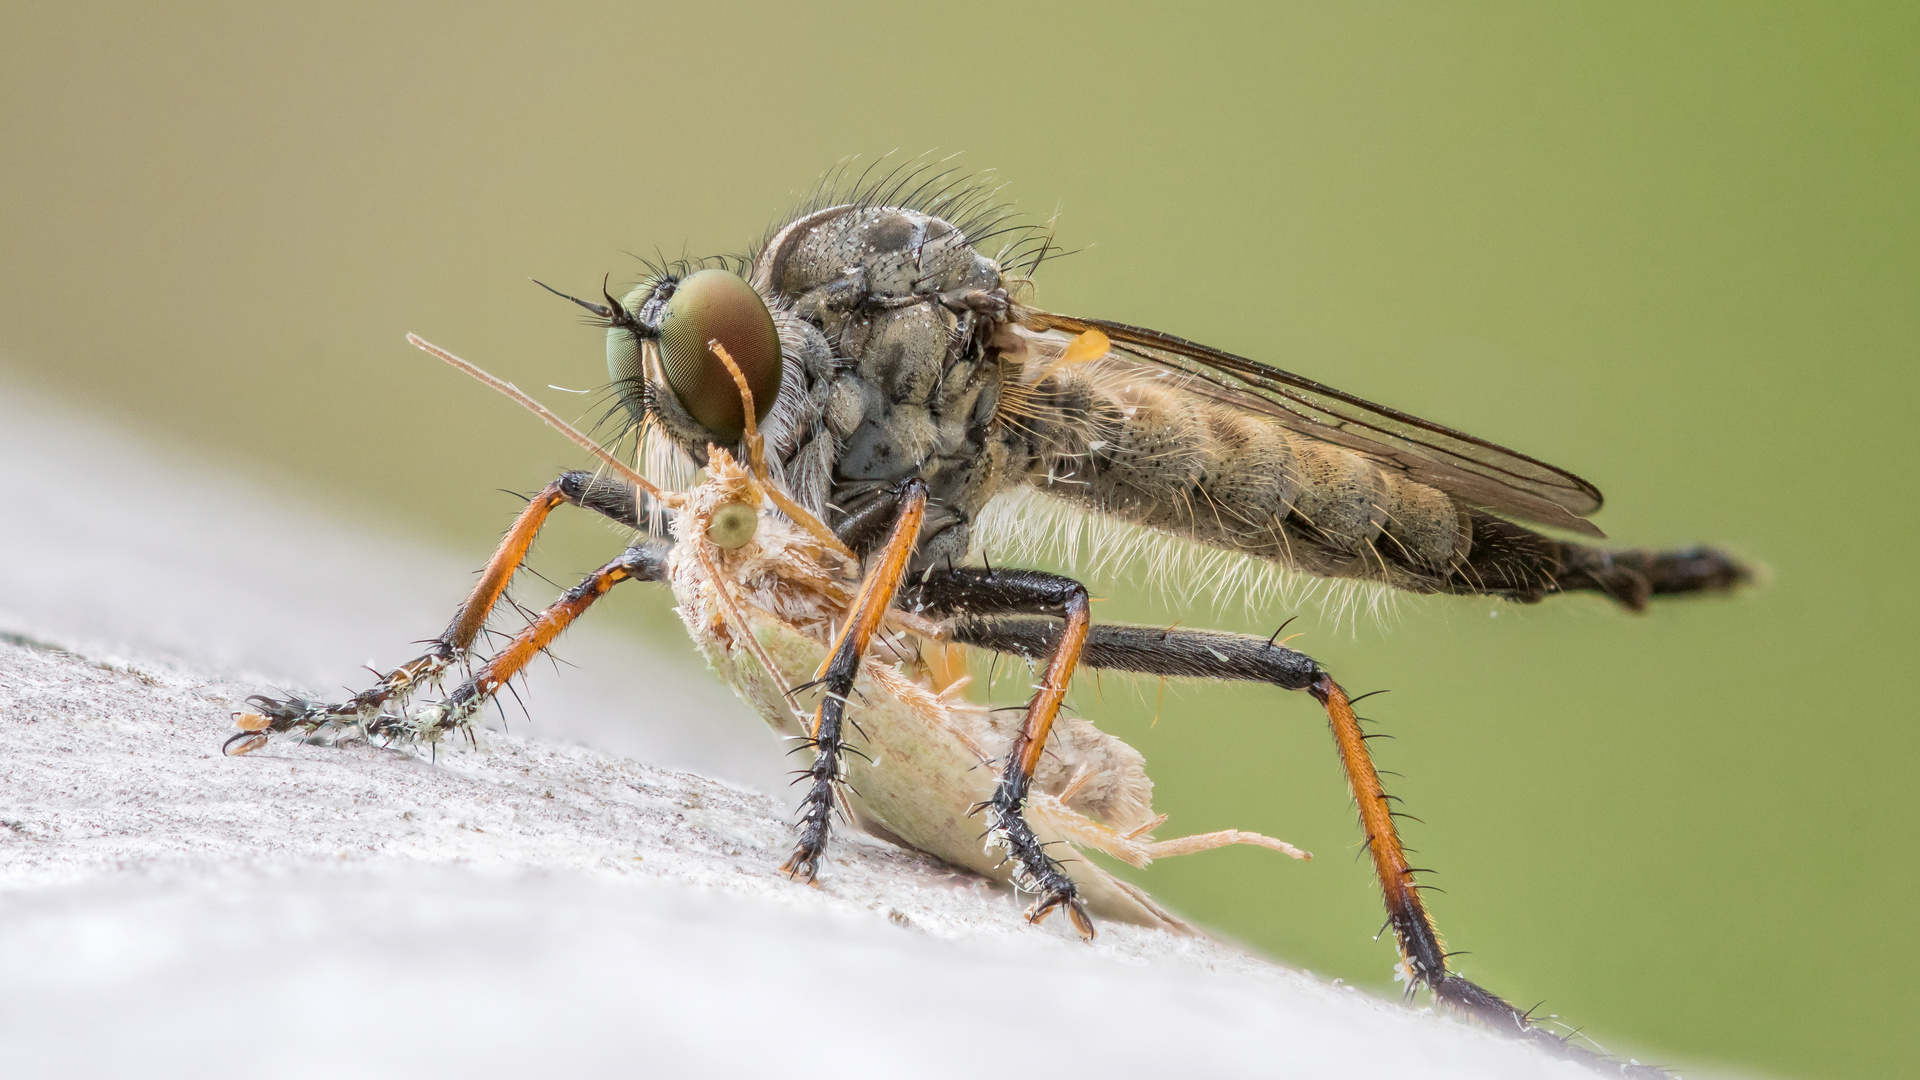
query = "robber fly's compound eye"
x=714 y=305
x=732 y=525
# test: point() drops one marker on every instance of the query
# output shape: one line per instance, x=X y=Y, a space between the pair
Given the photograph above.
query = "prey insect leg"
x=1212 y=654
x=271 y=715
x=836 y=677
x=984 y=590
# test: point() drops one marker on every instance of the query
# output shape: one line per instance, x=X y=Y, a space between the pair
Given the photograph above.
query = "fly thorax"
x=907 y=308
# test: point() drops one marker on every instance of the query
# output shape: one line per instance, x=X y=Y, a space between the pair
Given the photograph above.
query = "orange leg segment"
x=646 y=562
x=1420 y=944
x=500 y=568
x=389 y=696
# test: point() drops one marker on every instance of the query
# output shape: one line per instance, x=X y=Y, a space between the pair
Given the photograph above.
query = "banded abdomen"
x=1135 y=443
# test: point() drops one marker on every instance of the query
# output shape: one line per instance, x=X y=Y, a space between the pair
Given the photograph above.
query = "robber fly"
x=769 y=595
x=900 y=380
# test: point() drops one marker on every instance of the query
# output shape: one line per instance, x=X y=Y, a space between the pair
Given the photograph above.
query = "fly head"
x=664 y=370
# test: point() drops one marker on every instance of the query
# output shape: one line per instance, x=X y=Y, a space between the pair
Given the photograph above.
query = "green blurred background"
x=1673 y=249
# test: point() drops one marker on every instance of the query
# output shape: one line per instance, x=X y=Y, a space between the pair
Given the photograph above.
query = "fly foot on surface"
x=803 y=864
x=1069 y=900
x=1034 y=871
x=372 y=712
x=816 y=821
x=815 y=826
x=270 y=716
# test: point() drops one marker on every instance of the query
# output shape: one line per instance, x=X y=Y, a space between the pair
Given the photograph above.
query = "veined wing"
x=1479 y=473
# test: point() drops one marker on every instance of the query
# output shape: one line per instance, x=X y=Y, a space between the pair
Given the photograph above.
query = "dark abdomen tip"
x=1636 y=576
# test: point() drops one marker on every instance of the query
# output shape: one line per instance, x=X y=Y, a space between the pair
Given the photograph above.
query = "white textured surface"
x=541 y=909
x=308 y=911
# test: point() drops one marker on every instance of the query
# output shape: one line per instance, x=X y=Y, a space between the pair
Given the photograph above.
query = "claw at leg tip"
x=1081 y=921
x=248 y=742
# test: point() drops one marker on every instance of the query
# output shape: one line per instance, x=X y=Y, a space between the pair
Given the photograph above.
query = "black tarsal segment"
x=1035 y=871
x=378 y=705
x=816 y=809
x=381 y=711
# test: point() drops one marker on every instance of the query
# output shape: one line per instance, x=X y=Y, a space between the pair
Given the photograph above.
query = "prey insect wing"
x=1481 y=473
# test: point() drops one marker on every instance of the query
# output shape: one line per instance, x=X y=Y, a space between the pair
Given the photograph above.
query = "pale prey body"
x=920 y=759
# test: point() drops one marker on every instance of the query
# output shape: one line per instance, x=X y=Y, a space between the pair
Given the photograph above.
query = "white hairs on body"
x=1023 y=526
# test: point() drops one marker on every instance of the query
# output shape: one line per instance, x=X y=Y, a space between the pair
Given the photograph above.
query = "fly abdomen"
x=1142 y=453
x=1139 y=446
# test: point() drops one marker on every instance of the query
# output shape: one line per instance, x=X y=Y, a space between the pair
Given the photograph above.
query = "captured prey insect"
x=781 y=612
x=900 y=384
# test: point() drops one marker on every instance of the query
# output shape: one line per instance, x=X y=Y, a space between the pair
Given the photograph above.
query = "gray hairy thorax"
x=887 y=316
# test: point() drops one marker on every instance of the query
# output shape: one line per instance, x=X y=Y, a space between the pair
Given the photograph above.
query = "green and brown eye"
x=714 y=305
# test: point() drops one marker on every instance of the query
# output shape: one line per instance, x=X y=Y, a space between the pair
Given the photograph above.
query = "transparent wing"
x=1479 y=473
